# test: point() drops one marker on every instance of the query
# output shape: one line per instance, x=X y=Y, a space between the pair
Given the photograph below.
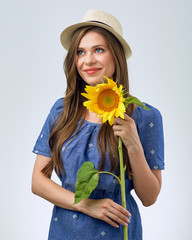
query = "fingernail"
x=117 y=226
x=125 y=224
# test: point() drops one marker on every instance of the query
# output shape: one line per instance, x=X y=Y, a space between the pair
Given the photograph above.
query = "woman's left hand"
x=126 y=129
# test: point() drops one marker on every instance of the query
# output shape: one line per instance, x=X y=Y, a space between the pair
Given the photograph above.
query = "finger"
x=121 y=120
x=126 y=117
x=109 y=221
x=118 y=216
x=117 y=121
x=117 y=127
x=110 y=204
x=117 y=219
x=121 y=209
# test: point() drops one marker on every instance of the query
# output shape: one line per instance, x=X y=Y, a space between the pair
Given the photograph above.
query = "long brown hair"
x=65 y=125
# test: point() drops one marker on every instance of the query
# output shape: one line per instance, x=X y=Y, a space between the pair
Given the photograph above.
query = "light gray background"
x=32 y=79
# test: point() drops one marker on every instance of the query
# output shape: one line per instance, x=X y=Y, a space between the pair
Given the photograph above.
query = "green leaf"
x=87 y=181
x=123 y=92
x=135 y=100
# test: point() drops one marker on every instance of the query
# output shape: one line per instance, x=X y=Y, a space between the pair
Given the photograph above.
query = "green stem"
x=112 y=175
x=122 y=176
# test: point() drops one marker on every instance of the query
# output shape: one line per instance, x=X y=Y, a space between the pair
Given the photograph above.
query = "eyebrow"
x=95 y=46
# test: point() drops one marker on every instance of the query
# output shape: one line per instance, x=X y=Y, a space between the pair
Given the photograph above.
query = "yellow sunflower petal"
x=121 y=87
x=111 y=83
x=121 y=106
x=105 y=116
x=89 y=88
x=85 y=95
x=106 y=100
x=111 y=117
x=119 y=113
x=87 y=104
x=111 y=120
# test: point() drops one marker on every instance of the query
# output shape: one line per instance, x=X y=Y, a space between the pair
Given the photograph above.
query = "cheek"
x=110 y=67
x=109 y=64
x=78 y=63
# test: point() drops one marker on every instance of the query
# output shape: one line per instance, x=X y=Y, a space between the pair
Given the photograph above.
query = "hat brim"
x=67 y=34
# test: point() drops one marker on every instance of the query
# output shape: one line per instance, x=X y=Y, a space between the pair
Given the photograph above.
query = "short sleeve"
x=150 y=129
x=42 y=144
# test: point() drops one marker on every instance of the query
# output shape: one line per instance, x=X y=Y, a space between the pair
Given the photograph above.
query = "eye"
x=99 y=50
x=80 y=52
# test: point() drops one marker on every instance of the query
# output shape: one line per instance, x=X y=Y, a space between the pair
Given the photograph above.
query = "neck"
x=92 y=117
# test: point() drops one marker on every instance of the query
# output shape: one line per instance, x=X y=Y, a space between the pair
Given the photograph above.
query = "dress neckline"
x=92 y=123
x=99 y=124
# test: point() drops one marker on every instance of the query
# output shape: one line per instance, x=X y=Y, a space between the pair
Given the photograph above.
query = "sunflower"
x=106 y=100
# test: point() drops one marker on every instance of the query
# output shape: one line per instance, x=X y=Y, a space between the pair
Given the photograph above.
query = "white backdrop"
x=32 y=79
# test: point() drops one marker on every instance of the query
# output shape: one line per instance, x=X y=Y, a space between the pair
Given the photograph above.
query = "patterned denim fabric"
x=69 y=225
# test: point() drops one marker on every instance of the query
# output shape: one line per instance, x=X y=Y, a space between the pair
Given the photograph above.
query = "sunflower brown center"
x=108 y=100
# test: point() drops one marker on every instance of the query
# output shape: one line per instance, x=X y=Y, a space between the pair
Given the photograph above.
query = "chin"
x=93 y=81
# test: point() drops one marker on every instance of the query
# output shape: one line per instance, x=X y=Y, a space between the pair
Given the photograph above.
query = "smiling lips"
x=91 y=70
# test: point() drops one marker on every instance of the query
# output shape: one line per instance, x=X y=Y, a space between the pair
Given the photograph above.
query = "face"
x=94 y=60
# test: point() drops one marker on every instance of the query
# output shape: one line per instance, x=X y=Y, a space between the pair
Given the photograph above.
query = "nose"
x=90 y=58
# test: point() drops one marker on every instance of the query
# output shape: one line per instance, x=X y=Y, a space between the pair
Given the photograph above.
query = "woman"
x=72 y=135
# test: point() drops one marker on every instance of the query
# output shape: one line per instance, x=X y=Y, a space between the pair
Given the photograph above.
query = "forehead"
x=92 y=38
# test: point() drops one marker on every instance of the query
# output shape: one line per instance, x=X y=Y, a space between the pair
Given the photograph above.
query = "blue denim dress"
x=70 y=225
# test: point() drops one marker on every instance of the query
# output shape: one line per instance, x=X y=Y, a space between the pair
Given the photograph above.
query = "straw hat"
x=101 y=19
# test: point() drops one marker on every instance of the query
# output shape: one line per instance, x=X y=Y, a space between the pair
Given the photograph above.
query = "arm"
x=147 y=182
x=48 y=189
x=104 y=209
